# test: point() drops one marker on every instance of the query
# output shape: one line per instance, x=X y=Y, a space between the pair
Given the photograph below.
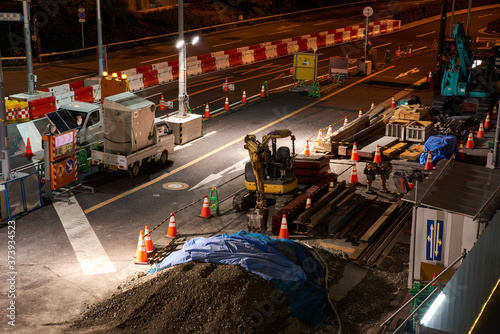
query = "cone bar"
x=354 y=154
x=354 y=175
x=283 y=229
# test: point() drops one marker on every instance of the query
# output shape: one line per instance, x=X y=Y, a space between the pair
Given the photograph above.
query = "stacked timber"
x=309 y=169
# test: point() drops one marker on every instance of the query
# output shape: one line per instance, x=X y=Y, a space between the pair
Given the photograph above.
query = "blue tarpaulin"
x=286 y=263
x=441 y=147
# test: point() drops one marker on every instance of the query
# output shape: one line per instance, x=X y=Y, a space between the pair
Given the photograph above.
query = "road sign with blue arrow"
x=11 y=17
x=434 y=240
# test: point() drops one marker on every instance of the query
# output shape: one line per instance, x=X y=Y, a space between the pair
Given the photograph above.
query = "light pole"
x=99 y=39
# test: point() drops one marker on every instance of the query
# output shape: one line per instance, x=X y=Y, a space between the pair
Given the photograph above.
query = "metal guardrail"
x=205 y=29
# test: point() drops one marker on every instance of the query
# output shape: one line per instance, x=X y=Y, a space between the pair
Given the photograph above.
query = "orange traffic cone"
x=429 y=77
x=360 y=113
x=29 y=153
x=354 y=154
x=226 y=86
x=207 y=111
x=172 y=229
x=263 y=92
x=346 y=121
x=398 y=52
x=470 y=141
x=205 y=210
x=428 y=163
x=319 y=141
x=393 y=102
x=494 y=113
x=162 y=104
x=373 y=105
x=329 y=132
x=480 y=132
x=461 y=154
x=283 y=229
x=147 y=239
x=433 y=277
x=244 y=97
x=141 y=254
x=307 y=151
x=409 y=51
x=377 y=158
x=354 y=174
x=308 y=202
x=487 y=122
x=226 y=104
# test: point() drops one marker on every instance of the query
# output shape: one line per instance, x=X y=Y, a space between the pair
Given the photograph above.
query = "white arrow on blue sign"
x=11 y=17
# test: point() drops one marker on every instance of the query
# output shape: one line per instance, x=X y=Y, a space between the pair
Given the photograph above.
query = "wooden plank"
x=359 y=250
x=395 y=149
x=341 y=246
x=413 y=153
x=371 y=231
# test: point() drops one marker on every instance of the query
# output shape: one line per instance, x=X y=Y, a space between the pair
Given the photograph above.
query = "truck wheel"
x=164 y=157
x=134 y=170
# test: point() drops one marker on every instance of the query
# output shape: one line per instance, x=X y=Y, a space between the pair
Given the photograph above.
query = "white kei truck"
x=132 y=135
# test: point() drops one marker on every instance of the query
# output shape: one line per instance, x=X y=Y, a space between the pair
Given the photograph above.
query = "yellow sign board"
x=305 y=66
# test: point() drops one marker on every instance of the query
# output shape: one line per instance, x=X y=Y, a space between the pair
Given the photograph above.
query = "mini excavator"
x=269 y=171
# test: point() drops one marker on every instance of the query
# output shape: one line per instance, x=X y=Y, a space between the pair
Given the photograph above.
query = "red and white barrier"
x=291 y=47
x=311 y=43
x=165 y=75
x=248 y=57
x=135 y=82
x=222 y=62
x=194 y=68
x=271 y=51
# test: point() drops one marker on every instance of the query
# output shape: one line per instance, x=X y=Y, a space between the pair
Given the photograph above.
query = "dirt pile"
x=195 y=298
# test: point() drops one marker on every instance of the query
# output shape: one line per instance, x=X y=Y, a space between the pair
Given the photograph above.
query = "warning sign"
x=60 y=170
x=305 y=66
x=63 y=172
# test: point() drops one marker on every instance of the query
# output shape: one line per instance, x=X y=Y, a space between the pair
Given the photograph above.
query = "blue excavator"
x=469 y=79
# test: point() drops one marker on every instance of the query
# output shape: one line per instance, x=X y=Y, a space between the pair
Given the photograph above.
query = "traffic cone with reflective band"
x=377 y=158
x=428 y=163
x=373 y=105
x=470 y=141
x=162 y=104
x=346 y=121
x=480 y=132
x=360 y=113
x=226 y=86
x=29 y=153
x=354 y=154
x=283 y=229
x=244 y=97
x=329 y=132
x=398 y=52
x=487 y=122
x=263 y=92
x=494 y=113
x=207 y=111
x=393 y=102
x=147 y=239
x=429 y=77
x=308 y=202
x=172 y=229
x=307 y=151
x=226 y=104
x=409 y=51
x=205 y=210
x=141 y=254
x=354 y=175
x=461 y=154
x=319 y=141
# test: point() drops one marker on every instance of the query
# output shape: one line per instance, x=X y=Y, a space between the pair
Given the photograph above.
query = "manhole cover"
x=175 y=185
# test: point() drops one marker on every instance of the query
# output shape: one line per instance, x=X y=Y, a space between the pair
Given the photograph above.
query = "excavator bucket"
x=257 y=220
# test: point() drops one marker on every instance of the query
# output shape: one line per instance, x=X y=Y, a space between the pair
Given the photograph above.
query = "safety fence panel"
x=390 y=27
x=281 y=49
x=217 y=54
x=302 y=45
x=144 y=69
x=247 y=57
x=253 y=47
x=194 y=68
x=45 y=105
x=271 y=51
x=376 y=30
x=346 y=36
x=235 y=59
x=347 y=28
x=286 y=40
x=135 y=82
x=297 y=39
x=63 y=99
x=23 y=194
x=165 y=75
x=208 y=64
x=259 y=54
x=264 y=45
x=96 y=90
x=11 y=115
x=23 y=115
x=305 y=36
x=323 y=33
x=291 y=46
x=129 y=73
x=330 y=39
x=160 y=66
x=311 y=42
x=75 y=85
x=354 y=34
x=191 y=59
x=243 y=49
x=58 y=90
x=383 y=28
x=222 y=62
x=396 y=25
x=84 y=94
x=321 y=41
x=150 y=79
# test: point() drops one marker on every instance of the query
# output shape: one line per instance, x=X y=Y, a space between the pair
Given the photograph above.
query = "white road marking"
x=81 y=76
x=88 y=249
x=151 y=60
x=318 y=24
x=179 y=147
x=423 y=47
x=484 y=15
x=279 y=32
x=214 y=177
x=147 y=97
x=379 y=46
x=239 y=40
x=427 y=33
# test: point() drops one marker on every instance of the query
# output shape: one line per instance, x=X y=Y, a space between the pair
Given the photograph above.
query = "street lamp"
x=183 y=96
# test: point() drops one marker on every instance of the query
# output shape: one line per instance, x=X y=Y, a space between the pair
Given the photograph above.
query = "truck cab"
x=91 y=115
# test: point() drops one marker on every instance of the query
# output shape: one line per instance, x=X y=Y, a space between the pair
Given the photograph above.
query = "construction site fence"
x=20 y=195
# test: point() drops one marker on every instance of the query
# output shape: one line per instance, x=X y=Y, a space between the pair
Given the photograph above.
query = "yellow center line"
x=223 y=147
